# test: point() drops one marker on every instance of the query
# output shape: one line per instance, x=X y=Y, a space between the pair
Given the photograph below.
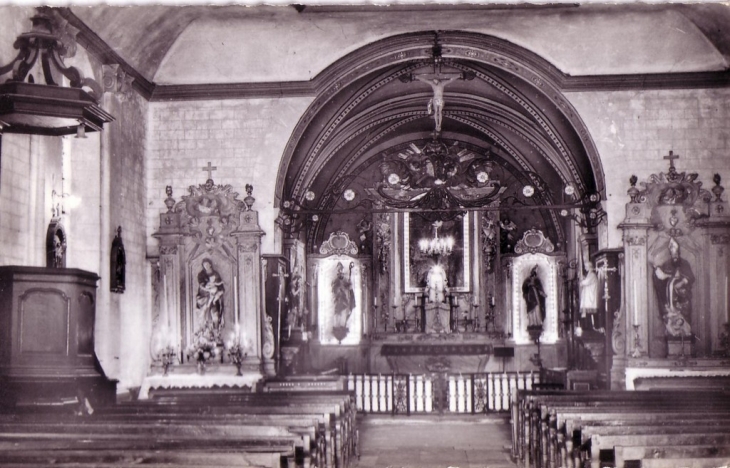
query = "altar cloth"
x=248 y=379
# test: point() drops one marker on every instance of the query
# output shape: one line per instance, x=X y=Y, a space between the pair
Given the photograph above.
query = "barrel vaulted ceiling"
x=174 y=45
x=352 y=61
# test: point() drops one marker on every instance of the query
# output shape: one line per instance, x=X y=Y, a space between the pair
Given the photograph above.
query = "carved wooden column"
x=718 y=255
x=252 y=315
x=168 y=324
x=636 y=280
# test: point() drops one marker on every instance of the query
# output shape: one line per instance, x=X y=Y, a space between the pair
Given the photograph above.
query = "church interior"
x=462 y=209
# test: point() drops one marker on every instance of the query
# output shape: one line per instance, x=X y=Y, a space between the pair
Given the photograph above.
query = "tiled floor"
x=434 y=442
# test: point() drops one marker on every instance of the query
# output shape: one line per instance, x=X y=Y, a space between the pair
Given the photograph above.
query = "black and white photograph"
x=365 y=234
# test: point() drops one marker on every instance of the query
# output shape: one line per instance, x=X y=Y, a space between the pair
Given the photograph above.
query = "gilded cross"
x=209 y=169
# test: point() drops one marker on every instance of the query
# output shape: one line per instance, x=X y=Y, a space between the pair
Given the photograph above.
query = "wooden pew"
x=544 y=421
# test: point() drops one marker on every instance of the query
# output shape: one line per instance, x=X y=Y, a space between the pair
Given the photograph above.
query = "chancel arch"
x=434 y=136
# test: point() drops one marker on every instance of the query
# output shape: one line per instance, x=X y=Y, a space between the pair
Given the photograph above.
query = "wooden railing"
x=438 y=392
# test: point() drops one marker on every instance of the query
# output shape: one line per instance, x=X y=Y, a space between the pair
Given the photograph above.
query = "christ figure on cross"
x=437 y=82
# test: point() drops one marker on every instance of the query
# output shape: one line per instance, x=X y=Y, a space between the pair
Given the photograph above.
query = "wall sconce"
x=59 y=206
x=48 y=109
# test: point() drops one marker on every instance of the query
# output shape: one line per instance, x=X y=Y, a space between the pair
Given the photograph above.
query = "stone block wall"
x=633 y=130
x=128 y=322
x=244 y=139
x=30 y=170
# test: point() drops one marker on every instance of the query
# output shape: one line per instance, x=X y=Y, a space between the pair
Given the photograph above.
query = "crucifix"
x=438 y=80
x=671 y=157
x=209 y=169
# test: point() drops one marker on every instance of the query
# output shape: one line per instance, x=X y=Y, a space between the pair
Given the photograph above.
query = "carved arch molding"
x=511 y=109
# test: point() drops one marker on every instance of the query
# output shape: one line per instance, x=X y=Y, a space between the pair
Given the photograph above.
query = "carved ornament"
x=635 y=240
x=267 y=348
x=720 y=238
x=168 y=250
x=618 y=340
x=339 y=243
x=248 y=247
x=534 y=241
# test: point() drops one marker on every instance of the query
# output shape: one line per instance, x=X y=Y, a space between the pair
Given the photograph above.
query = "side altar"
x=674 y=318
x=209 y=326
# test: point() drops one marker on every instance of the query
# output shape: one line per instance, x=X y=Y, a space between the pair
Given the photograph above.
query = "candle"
x=476 y=301
x=727 y=312
x=375 y=301
x=164 y=300
x=636 y=306
x=235 y=299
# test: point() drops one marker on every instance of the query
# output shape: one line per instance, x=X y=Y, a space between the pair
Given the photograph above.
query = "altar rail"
x=438 y=393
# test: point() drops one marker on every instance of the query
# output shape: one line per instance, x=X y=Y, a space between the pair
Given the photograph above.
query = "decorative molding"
x=339 y=243
x=104 y=53
x=534 y=241
x=720 y=238
x=267 y=349
x=168 y=250
x=248 y=247
x=635 y=240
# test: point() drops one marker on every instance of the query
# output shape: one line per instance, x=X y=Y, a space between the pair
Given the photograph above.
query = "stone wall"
x=129 y=313
x=633 y=130
x=244 y=139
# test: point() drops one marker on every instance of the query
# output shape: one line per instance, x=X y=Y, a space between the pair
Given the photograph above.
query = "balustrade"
x=439 y=392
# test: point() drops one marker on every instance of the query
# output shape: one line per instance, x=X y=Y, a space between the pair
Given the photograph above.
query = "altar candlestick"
x=235 y=299
x=727 y=312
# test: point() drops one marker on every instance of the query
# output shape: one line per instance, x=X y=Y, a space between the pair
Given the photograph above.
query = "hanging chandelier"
x=436 y=245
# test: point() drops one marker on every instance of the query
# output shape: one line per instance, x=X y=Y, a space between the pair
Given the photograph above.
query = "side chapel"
x=433 y=195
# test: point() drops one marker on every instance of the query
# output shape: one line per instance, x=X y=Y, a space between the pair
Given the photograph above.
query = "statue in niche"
x=209 y=298
x=673 y=280
x=118 y=263
x=507 y=233
x=56 y=245
x=296 y=312
x=436 y=283
x=534 y=295
x=589 y=297
x=343 y=296
x=364 y=229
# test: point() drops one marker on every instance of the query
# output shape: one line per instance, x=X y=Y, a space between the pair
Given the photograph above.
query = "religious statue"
x=534 y=295
x=589 y=297
x=209 y=299
x=673 y=282
x=436 y=103
x=436 y=283
x=118 y=263
x=343 y=297
x=294 y=317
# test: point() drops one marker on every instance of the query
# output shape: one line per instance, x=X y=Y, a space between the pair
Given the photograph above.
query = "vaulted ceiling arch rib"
x=523 y=66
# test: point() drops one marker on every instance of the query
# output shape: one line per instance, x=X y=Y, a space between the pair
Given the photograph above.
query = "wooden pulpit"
x=47 y=355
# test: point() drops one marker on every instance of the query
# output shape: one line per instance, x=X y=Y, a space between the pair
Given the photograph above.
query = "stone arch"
x=513 y=107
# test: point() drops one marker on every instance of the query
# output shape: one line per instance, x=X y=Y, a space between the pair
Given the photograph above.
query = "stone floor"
x=434 y=442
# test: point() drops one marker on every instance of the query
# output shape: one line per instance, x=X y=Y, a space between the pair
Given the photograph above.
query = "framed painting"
x=419 y=260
